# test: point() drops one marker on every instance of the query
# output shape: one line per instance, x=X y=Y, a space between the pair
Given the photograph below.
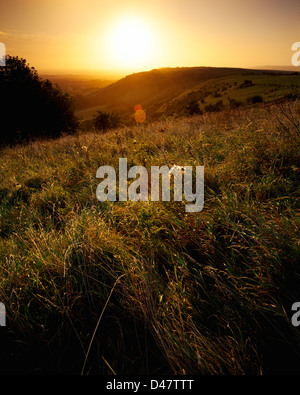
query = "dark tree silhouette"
x=193 y=108
x=105 y=121
x=31 y=106
x=255 y=99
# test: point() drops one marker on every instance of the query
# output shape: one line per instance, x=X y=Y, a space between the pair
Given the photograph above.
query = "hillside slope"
x=206 y=293
x=169 y=90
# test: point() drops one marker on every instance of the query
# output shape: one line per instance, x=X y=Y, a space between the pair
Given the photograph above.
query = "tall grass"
x=143 y=287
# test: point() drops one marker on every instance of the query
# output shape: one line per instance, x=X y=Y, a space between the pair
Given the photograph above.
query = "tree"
x=246 y=84
x=255 y=99
x=30 y=106
x=218 y=106
x=234 y=103
x=193 y=108
x=105 y=121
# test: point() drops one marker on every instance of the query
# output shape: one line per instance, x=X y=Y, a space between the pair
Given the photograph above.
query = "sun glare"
x=131 y=43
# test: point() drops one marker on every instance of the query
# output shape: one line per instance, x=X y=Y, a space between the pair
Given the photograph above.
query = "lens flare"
x=139 y=115
x=137 y=107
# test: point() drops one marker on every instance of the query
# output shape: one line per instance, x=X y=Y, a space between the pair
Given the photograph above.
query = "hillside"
x=168 y=91
x=144 y=287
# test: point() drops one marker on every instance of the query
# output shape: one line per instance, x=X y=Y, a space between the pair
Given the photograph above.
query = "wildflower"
x=176 y=168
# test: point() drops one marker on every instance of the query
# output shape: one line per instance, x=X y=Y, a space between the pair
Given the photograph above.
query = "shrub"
x=105 y=121
x=215 y=107
x=193 y=108
x=246 y=84
x=234 y=103
x=255 y=99
x=30 y=106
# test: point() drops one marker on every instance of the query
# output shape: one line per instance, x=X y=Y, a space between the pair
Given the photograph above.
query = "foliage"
x=234 y=103
x=105 y=121
x=255 y=99
x=30 y=106
x=246 y=84
x=193 y=108
x=218 y=106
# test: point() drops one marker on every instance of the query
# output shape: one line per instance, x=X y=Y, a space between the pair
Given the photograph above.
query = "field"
x=143 y=287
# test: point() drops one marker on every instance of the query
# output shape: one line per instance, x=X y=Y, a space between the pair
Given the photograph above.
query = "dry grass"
x=204 y=293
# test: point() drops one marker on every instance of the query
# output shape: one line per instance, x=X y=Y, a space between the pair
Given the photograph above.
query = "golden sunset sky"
x=125 y=36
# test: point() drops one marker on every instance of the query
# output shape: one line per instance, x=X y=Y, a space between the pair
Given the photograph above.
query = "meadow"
x=143 y=287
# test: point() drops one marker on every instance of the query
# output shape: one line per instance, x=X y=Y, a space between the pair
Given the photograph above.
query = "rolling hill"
x=168 y=91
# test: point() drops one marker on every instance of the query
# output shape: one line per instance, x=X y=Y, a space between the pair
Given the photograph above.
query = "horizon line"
x=110 y=73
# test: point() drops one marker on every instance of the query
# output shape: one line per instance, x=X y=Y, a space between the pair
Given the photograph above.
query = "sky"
x=126 y=36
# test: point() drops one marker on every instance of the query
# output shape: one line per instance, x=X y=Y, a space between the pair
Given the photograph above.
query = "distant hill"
x=280 y=68
x=169 y=90
x=79 y=85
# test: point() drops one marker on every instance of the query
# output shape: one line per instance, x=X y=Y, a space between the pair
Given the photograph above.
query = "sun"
x=131 y=43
